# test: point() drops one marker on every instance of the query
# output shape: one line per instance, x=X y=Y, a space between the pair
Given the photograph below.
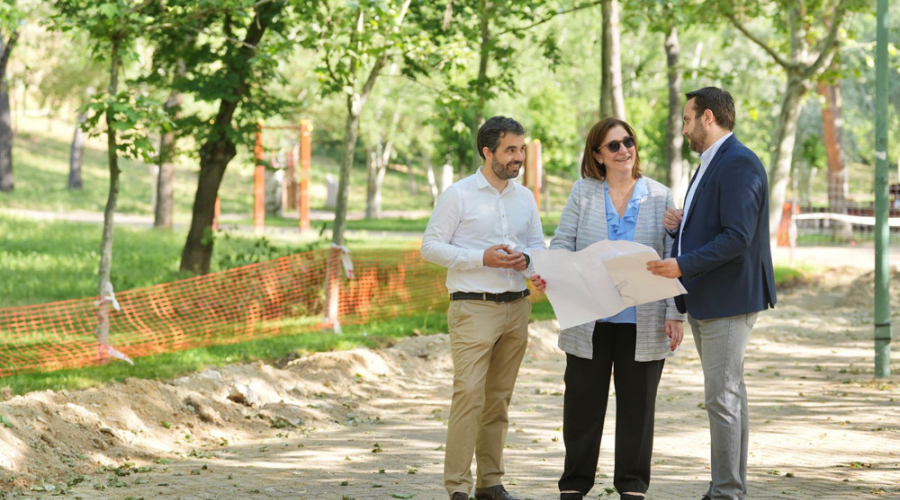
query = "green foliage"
x=235 y=61
x=813 y=151
x=551 y=119
x=235 y=251
x=135 y=116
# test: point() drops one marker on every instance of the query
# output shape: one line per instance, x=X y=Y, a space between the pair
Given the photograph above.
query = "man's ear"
x=486 y=151
x=708 y=115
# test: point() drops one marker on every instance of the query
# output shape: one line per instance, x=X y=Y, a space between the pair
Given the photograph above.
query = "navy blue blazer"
x=726 y=260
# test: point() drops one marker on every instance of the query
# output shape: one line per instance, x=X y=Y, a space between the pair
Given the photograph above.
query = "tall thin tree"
x=7 y=181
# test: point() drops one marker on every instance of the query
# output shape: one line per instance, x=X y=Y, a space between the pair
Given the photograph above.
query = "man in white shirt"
x=481 y=230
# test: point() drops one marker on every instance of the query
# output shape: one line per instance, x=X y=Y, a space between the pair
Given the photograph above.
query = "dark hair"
x=493 y=130
x=716 y=100
x=590 y=167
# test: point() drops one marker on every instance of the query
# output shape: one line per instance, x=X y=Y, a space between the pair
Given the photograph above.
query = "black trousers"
x=587 y=393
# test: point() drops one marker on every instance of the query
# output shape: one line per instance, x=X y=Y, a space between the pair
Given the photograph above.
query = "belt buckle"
x=484 y=296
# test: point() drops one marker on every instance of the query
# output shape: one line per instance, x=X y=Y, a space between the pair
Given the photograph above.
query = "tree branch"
x=829 y=43
x=7 y=49
x=550 y=17
x=373 y=75
x=753 y=38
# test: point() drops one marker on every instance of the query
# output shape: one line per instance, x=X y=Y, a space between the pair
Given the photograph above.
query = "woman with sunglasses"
x=613 y=201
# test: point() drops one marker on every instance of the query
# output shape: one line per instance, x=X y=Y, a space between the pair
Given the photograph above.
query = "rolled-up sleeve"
x=436 y=246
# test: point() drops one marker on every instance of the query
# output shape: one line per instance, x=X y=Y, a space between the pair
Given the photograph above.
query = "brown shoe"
x=493 y=493
x=459 y=495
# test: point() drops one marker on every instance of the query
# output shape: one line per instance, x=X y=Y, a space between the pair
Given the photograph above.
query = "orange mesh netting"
x=278 y=297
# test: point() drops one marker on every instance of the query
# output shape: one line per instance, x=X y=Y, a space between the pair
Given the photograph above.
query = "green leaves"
x=109 y=10
x=134 y=117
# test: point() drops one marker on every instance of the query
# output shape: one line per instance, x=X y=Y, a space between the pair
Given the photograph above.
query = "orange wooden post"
x=217 y=211
x=259 y=183
x=537 y=168
x=305 y=161
x=532 y=178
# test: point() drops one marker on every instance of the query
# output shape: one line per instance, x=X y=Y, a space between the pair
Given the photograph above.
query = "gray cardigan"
x=583 y=222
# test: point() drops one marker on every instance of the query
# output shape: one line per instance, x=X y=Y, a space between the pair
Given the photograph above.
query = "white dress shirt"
x=471 y=216
x=706 y=158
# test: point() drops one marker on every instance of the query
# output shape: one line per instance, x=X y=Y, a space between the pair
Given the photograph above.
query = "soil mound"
x=49 y=437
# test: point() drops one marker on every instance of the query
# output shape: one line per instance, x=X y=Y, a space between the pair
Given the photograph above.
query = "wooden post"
x=259 y=184
x=532 y=178
x=217 y=211
x=305 y=161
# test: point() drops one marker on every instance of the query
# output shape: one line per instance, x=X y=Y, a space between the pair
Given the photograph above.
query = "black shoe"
x=459 y=495
x=706 y=497
x=493 y=493
x=627 y=496
x=570 y=496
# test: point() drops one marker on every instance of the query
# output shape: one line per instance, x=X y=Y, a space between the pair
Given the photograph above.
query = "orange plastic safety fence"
x=278 y=297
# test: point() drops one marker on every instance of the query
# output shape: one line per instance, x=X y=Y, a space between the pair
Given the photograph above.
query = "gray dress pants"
x=721 y=343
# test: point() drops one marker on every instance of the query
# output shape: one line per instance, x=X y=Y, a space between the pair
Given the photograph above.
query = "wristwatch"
x=527 y=259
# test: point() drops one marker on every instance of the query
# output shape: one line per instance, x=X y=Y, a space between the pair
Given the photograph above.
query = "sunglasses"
x=613 y=146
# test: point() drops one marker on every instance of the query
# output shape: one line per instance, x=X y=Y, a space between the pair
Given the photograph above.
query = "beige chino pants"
x=488 y=341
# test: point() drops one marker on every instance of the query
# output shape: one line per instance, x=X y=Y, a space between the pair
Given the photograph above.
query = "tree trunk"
x=104 y=285
x=432 y=181
x=219 y=149
x=164 y=210
x=377 y=167
x=832 y=131
x=7 y=181
x=214 y=157
x=355 y=103
x=377 y=160
x=351 y=134
x=674 y=138
x=612 y=101
x=76 y=152
x=373 y=196
x=411 y=177
x=481 y=87
x=785 y=136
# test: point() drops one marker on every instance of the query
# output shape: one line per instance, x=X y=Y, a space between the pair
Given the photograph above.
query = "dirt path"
x=371 y=424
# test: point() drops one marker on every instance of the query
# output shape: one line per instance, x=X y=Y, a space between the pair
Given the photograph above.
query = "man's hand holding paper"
x=601 y=280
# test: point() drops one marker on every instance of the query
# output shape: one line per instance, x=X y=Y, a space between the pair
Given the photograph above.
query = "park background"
x=391 y=92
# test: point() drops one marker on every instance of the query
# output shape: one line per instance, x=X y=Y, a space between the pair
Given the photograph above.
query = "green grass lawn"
x=41 y=169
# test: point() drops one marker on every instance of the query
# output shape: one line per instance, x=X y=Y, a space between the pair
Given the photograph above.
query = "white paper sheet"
x=600 y=280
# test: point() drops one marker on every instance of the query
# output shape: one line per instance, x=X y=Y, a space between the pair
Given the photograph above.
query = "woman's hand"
x=674 y=330
x=541 y=285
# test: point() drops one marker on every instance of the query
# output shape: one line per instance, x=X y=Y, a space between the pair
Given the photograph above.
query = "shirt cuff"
x=476 y=259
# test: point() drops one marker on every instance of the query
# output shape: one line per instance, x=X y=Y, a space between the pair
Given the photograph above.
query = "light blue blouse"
x=622 y=228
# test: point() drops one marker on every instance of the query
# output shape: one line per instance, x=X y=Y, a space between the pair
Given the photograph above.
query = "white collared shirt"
x=471 y=216
x=706 y=158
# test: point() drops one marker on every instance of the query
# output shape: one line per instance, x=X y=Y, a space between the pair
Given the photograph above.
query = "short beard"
x=697 y=139
x=501 y=171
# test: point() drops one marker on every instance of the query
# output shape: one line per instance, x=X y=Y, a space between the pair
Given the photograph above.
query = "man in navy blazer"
x=723 y=257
